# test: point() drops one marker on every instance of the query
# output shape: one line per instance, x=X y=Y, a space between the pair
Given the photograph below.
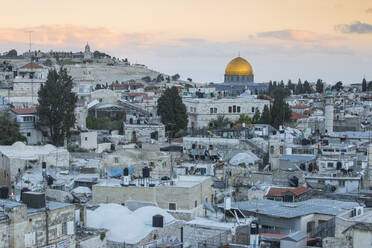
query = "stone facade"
x=33 y=228
x=144 y=133
x=202 y=110
x=186 y=195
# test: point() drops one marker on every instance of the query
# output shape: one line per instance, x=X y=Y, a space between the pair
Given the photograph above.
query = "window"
x=341 y=183
x=64 y=228
x=234 y=108
x=281 y=149
x=172 y=206
x=230 y=109
x=116 y=160
x=215 y=110
x=86 y=138
x=28 y=134
x=252 y=109
x=271 y=149
x=28 y=118
x=210 y=147
x=196 y=203
x=211 y=110
x=238 y=109
x=330 y=165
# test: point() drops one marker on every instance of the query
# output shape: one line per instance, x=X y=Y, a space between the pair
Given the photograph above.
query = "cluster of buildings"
x=306 y=184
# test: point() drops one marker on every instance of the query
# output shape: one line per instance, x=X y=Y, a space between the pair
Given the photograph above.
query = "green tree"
x=256 y=117
x=9 y=130
x=220 y=122
x=319 y=86
x=338 y=86
x=266 y=116
x=364 y=85
x=307 y=88
x=280 y=112
x=56 y=105
x=12 y=53
x=171 y=110
x=244 y=119
x=299 y=88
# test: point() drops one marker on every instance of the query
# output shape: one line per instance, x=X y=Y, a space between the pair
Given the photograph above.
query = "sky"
x=282 y=39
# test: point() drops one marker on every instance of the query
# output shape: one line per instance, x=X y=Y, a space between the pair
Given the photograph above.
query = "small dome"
x=239 y=66
x=19 y=146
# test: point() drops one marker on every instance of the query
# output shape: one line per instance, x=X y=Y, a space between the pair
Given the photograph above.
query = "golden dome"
x=239 y=66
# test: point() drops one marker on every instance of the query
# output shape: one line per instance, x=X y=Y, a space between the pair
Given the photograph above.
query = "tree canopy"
x=9 y=130
x=171 y=110
x=220 y=122
x=56 y=105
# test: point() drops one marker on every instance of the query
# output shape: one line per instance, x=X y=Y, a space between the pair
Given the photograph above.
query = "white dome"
x=146 y=214
x=19 y=146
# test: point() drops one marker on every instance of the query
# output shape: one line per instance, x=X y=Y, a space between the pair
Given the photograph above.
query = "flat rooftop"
x=181 y=182
x=292 y=210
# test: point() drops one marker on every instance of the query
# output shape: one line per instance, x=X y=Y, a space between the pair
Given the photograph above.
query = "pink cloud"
x=74 y=36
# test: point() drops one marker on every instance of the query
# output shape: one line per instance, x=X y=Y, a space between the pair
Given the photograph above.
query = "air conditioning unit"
x=359 y=211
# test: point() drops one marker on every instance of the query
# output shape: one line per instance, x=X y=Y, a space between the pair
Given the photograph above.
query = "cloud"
x=73 y=36
x=354 y=28
x=369 y=11
x=295 y=35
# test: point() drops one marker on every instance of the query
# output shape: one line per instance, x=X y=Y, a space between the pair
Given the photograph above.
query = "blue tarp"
x=116 y=172
x=119 y=171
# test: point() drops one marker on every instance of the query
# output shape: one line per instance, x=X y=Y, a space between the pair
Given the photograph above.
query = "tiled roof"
x=274 y=191
x=24 y=111
x=300 y=106
x=32 y=65
x=296 y=116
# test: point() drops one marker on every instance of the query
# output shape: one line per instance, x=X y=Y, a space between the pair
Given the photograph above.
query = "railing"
x=215 y=241
x=326 y=229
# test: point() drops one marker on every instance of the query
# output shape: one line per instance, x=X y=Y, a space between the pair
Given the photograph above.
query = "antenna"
x=29 y=39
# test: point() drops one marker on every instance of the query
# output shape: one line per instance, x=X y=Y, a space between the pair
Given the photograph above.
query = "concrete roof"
x=297 y=158
x=293 y=210
x=22 y=151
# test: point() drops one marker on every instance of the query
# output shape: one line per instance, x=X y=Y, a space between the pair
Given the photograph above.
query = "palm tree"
x=220 y=122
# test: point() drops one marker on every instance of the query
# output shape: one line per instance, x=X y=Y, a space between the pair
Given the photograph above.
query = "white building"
x=202 y=110
x=26 y=118
x=28 y=80
x=15 y=159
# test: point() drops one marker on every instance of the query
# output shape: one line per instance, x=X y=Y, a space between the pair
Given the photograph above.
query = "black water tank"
x=4 y=192
x=157 y=220
x=293 y=181
x=145 y=172
x=24 y=189
x=50 y=180
x=126 y=171
x=254 y=227
x=34 y=199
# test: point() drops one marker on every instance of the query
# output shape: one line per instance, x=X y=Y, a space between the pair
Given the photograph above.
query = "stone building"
x=159 y=162
x=143 y=130
x=183 y=197
x=28 y=80
x=202 y=111
x=52 y=225
x=15 y=159
x=26 y=119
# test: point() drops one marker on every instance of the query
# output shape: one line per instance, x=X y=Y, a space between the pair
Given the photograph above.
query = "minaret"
x=328 y=113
